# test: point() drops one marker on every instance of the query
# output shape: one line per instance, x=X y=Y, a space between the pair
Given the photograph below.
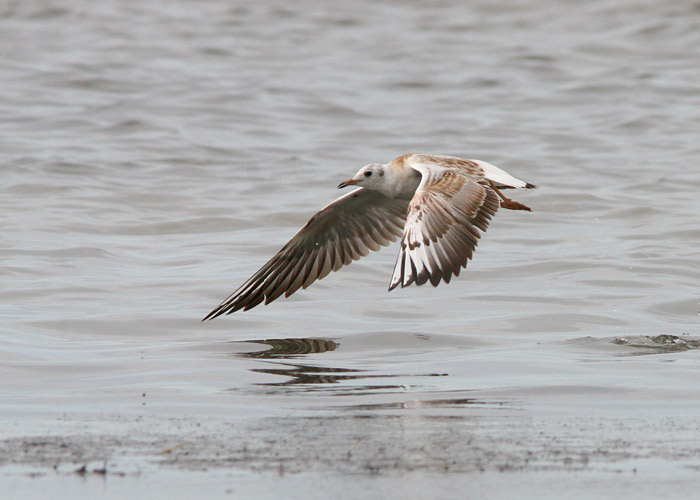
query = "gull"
x=437 y=205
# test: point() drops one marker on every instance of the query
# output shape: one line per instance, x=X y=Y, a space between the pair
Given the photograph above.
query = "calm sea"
x=154 y=154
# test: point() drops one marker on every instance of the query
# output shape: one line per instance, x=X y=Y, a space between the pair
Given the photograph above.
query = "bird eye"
x=368 y=173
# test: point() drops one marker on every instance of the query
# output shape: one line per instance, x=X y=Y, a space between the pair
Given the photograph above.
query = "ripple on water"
x=638 y=345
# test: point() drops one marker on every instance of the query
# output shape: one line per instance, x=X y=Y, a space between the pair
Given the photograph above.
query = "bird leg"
x=507 y=202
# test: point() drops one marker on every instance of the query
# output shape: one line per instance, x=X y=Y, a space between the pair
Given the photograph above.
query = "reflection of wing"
x=290 y=348
x=442 y=226
x=343 y=231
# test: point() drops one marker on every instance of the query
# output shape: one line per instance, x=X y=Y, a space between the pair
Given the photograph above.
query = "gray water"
x=154 y=154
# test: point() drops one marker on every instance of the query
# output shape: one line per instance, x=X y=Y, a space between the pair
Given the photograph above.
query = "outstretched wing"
x=442 y=226
x=340 y=233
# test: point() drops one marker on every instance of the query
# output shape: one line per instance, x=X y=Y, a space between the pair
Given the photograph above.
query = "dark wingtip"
x=530 y=186
x=213 y=314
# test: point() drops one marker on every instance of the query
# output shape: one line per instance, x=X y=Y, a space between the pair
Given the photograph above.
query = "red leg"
x=508 y=203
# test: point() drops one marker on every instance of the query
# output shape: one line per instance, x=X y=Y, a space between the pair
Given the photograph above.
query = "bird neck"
x=401 y=181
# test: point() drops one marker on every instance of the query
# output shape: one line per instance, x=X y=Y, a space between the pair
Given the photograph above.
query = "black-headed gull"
x=437 y=203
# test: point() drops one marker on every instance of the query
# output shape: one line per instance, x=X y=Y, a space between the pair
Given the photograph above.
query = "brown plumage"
x=440 y=204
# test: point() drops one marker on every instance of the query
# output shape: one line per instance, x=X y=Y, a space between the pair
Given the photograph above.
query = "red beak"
x=349 y=182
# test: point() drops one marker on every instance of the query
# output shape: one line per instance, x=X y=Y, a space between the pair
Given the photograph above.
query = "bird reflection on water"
x=306 y=374
x=316 y=378
x=290 y=348
x=303 y=373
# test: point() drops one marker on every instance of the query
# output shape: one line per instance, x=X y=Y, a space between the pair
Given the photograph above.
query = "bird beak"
x=349 y=182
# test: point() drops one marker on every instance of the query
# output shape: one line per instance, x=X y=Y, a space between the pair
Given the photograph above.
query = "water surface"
x=154 y=155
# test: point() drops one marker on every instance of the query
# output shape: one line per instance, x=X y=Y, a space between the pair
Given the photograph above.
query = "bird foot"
x=514 y=205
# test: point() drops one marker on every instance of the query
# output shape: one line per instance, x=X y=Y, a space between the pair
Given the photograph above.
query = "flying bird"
x=437 y=205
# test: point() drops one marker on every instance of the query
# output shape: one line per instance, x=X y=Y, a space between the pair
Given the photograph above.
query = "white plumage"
x=439 y=205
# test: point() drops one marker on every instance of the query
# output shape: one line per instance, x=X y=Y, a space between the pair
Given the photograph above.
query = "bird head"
x=368 y=176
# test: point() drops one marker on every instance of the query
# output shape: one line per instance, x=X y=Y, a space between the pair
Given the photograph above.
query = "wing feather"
x=342 y=232
x=451 y=205
x=474 y=168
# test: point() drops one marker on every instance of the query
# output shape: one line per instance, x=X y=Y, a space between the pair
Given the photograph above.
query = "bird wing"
x=442 y=226
x=475 y=168
x=471 y=168
x=338 y=234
